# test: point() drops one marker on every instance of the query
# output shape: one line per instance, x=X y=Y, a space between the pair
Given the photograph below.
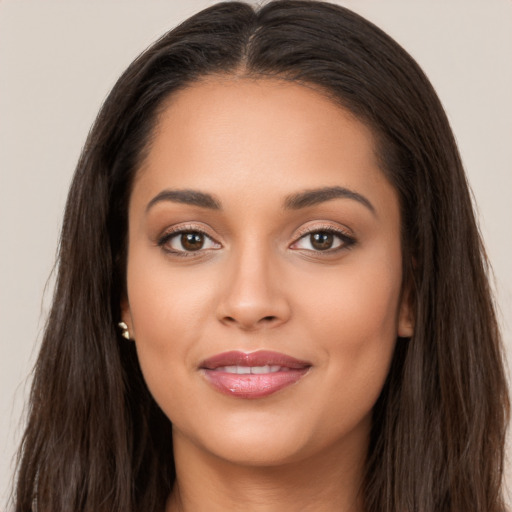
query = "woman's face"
x=264 y=272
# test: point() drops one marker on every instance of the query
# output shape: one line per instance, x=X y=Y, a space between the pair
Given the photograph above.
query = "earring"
x=125 y=333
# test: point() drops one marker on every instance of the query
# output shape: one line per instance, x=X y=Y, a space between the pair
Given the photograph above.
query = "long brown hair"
x=95 y=438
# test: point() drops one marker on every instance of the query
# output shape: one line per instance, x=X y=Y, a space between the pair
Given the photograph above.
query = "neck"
x=328 y=481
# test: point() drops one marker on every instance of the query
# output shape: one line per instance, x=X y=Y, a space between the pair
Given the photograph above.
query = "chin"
x=259 y=450
x=265 y=440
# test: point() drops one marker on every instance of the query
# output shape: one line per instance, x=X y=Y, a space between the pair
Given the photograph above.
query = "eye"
x=324 y=240
x=187 y=242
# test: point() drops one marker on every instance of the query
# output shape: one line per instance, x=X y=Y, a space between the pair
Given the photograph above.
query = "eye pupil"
x=192 y=241
x=322 y=240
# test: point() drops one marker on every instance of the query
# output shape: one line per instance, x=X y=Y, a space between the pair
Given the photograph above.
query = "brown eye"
x=322 y=240
x=183 y=242
x=192 y=241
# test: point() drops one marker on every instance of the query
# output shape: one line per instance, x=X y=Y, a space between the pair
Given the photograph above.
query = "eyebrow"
x=296 y=201
x=320 y=195
x=191 y=197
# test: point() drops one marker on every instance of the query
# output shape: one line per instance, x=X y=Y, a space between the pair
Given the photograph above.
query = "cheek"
x=352 y=316
x=356 y=304
x=167 y=310
x=164 y=300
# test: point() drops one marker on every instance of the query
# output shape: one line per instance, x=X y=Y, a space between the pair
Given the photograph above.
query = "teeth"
x=265 y=369
x=244 y=370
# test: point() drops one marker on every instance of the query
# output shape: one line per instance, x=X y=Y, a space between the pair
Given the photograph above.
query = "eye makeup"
x=193 y=240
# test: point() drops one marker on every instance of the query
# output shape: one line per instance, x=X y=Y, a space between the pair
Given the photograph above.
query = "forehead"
x=264 y=135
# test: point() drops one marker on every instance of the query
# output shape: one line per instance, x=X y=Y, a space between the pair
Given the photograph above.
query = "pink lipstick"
x=254 y=374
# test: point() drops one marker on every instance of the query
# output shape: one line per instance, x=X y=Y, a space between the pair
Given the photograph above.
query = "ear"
x=126 y=316
x=405 y=328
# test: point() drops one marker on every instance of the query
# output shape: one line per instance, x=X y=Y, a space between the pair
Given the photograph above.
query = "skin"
x=258 y=283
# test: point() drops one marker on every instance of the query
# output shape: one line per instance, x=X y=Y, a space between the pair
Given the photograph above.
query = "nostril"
x=263 y=320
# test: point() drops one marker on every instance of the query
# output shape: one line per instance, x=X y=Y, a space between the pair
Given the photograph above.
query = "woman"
x=271 y=291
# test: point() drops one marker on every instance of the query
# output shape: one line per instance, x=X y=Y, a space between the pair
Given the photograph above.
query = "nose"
x=253 y=297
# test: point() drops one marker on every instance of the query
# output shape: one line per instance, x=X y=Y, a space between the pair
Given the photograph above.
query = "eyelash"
x=347 y=241
x=169 y=235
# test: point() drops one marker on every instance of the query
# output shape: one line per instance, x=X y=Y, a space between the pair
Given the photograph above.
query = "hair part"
x=96 y=439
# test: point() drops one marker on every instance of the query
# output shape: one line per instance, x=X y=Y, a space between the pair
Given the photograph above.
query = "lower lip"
x=253 y=385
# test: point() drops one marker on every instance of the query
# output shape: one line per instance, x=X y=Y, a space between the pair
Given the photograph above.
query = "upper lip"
x=259 y=358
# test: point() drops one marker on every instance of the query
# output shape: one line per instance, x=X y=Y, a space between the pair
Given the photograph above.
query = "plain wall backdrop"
x=58 y=61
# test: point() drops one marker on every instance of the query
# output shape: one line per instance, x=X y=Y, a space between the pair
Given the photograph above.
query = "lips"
x=254 y=374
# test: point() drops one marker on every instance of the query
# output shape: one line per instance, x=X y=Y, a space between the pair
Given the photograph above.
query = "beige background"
x=58 y=61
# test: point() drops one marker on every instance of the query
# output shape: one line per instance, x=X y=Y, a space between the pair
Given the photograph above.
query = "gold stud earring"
x=125 y=333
